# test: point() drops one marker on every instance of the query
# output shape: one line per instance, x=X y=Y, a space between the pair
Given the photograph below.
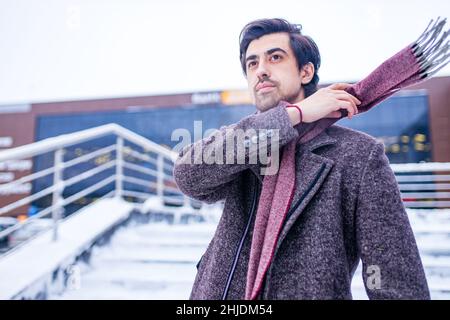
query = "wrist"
x=296 y=112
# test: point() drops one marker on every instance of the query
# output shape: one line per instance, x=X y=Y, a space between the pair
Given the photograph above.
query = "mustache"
x=265 y=80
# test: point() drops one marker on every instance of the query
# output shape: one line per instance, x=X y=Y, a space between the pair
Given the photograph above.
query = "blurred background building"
x=414 y=124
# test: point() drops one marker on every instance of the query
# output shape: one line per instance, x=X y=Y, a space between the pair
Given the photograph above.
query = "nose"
x=262 y=72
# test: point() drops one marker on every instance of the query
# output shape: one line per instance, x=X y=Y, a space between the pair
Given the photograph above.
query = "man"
x=345 y=206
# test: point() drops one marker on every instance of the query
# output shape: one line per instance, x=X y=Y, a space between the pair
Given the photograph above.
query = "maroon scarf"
x=418 y=61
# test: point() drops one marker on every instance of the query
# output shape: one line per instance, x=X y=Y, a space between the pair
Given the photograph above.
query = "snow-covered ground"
x=144 y=261
x=157 y=260
x=26 y=270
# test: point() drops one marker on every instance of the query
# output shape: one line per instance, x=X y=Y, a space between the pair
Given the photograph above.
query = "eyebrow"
x=268 y=52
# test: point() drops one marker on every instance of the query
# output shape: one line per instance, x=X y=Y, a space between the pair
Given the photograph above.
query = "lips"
x=264 y=86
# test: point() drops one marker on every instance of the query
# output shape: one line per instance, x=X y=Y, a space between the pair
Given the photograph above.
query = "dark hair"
x=304 y=48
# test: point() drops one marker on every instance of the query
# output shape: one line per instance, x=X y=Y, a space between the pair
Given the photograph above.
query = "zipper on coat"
x=241 y=242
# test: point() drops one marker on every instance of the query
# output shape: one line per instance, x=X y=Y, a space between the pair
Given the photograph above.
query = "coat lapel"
x=311 y=171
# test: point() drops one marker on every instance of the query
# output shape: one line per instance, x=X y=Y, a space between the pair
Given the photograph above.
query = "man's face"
x=272 y=71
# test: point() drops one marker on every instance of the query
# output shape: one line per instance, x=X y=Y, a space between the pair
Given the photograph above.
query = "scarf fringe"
x=431 y=49
x=426 y=36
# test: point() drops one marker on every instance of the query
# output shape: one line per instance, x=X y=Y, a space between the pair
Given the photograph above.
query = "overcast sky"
x=54 y=50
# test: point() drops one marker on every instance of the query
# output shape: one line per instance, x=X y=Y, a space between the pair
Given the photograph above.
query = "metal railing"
x=156 y=162
x=424 y=185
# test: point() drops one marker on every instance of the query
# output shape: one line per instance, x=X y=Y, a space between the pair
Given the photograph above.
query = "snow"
x=35 y=261
x=420 y=167
x=144 y=261
x=158 y=260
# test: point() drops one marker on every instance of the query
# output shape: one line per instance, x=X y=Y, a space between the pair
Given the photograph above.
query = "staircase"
x=144 y=261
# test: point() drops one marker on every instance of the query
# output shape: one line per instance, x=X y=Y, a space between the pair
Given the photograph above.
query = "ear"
x=307 y=73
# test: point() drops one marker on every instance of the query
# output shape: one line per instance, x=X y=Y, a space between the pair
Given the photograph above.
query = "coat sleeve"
x=392 y=268
x=210 y=182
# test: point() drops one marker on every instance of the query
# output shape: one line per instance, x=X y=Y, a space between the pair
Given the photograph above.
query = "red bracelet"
x=299 y=110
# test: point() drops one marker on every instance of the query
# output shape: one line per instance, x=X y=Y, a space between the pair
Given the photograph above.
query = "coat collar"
x=321 y=140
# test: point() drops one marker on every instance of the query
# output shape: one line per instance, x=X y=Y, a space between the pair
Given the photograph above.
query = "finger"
x=348 y=106
x=347 y=98
x=339 y=86
x=355 y=107
x=334 y=114
x=352 y=103
x=340 y=94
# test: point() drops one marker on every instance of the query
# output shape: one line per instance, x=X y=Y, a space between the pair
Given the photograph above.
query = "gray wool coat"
x=346 y=207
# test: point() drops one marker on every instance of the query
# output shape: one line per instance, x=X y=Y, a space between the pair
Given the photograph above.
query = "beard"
x=267 y=100
x=271 y=99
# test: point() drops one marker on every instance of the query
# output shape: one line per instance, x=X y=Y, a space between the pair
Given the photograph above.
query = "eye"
x=275 y=57
x=251 y=64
